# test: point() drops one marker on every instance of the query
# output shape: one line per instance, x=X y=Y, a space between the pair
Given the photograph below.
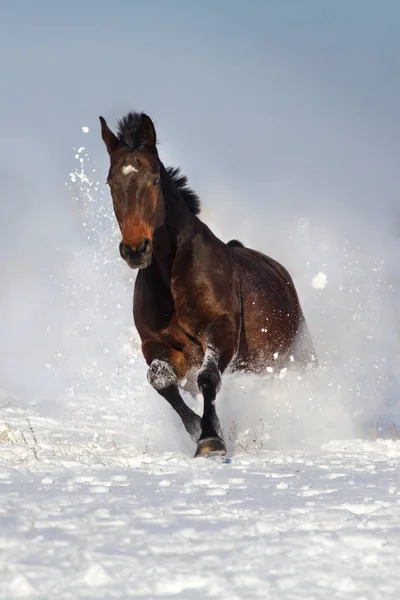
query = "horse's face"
x=134 y=180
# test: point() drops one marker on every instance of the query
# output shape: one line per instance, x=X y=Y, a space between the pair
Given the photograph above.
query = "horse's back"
x=273 y=324
x=256 y=268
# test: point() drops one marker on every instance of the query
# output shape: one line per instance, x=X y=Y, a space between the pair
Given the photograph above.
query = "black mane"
x=130 y=132
x=188 y=195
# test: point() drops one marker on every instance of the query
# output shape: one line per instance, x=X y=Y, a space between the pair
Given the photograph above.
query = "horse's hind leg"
x=219 y=350
x=163 y=364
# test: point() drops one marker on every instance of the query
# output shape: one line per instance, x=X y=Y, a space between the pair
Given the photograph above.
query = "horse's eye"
x=156 y=181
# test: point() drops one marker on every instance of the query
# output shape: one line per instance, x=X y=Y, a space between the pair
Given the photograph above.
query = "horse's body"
x=200 y=305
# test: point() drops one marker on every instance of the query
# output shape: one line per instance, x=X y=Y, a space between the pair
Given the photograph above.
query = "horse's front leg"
x=165 y=365
x=219 y=342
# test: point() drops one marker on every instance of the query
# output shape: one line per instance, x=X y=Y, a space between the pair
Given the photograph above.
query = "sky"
x=257 y=88
x=280 y=113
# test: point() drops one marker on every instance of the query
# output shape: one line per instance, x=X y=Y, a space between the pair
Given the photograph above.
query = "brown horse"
x=200 y=305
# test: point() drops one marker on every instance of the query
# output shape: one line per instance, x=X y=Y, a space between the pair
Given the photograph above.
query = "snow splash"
x=350 y=308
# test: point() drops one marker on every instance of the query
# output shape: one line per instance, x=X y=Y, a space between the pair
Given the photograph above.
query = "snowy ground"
x=99 y=494
x=85 y=514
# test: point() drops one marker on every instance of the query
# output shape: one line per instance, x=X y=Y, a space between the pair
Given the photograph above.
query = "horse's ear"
x=109 y=138
x=147 y=129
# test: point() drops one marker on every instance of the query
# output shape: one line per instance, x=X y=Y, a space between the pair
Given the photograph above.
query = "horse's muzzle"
x=139 y=257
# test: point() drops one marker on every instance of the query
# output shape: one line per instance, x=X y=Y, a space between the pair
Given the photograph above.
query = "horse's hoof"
x=212 y=446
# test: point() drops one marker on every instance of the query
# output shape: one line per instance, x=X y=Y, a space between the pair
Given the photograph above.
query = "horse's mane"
x=130 y=133
x=190 y=197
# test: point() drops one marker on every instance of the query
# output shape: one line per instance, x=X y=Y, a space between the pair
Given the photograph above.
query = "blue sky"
x=274 y=99
x=202 y=69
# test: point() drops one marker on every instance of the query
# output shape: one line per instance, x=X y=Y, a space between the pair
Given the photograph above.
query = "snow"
x=100 y=494
x=319 y=281
x=102 y=519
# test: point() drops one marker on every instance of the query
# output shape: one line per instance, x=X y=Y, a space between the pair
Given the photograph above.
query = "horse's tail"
x=304 y=346
x=235 y=244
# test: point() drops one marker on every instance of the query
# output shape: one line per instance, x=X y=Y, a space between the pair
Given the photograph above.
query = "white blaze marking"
x=129 y=169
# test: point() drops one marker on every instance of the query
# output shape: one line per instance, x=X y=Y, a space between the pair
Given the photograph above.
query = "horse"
x=200 y=305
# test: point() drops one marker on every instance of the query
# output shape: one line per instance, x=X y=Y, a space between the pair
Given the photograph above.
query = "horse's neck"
x=179 y=226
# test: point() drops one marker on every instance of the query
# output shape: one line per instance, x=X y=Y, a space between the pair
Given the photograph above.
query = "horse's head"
x=134 y=179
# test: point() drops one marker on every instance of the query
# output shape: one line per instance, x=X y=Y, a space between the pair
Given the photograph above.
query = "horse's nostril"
x=143 y=247
x=125 y=251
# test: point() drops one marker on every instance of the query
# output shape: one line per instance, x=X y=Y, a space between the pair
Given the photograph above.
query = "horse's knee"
x=161 y=375
x=209 y=377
